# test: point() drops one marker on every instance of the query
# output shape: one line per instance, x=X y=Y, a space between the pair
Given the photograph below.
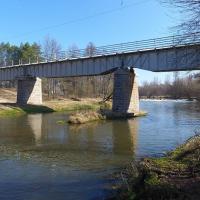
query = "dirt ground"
x=8 y=95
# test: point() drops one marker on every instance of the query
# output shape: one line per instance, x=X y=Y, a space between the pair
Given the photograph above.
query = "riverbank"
x=166 y=98
x=174 y=176
x=8 y=107
x=64 y=105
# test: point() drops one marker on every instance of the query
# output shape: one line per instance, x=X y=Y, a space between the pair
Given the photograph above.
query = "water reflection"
x=16 y=131
x=35 y=122
x=125 y=136
x=112 y=137
x=62 y=161
x=93 y=146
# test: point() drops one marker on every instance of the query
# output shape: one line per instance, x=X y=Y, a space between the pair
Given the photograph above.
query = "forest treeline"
x=187 y=87
x=93 y=86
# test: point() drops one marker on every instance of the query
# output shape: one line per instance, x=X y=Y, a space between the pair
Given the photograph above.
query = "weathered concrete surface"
x=126 y=95
x=29 y=91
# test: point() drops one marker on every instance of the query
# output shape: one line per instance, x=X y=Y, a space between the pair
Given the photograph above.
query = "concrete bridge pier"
x=29 y=91
x=126 y=95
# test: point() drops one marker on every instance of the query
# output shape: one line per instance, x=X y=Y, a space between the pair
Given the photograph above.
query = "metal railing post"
x=171 y=41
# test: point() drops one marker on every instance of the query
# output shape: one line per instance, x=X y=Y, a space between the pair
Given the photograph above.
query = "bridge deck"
x=172 y=53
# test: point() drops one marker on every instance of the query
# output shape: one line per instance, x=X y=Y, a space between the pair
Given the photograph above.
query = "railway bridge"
x=173 y=53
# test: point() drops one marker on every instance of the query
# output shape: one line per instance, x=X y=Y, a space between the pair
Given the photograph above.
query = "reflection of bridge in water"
x=115 y=138
x=40 y=133
x=176 y=53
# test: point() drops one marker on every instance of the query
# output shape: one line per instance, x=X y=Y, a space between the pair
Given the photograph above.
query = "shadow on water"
x=29 y=108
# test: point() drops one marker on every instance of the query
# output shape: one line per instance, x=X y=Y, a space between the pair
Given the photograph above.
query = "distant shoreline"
x=173 y=100
x=166 y=99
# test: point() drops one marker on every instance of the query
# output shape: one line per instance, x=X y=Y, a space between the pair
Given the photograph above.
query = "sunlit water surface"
x=43 y=160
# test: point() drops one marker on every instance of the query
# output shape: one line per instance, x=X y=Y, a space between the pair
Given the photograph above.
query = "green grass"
x=61 y=122
x=76 y=107
x=174 y=176
x=12 y=110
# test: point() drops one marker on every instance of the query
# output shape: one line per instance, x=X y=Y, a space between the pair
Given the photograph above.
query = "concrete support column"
x=29 y=91
x=126 y=95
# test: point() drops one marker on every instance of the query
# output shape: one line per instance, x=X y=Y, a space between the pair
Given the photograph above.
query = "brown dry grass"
x=71 y=105
x=84 y=117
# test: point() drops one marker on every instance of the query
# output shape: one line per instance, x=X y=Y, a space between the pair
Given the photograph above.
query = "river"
x=41 y=159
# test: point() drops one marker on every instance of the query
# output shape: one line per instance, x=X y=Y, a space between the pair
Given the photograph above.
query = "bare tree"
x=197 y=85
x=51 y=50
x=190 y=11
x=73 y=51
x=90 y=49
x=190 y=23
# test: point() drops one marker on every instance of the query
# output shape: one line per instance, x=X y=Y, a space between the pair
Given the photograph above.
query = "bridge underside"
x=125 y=95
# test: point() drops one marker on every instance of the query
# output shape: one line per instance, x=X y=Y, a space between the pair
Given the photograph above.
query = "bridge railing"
x=143 y=45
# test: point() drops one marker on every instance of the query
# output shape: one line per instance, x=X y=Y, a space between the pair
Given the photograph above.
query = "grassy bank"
x=175 y=176
x=66 y=105
x=11 y=109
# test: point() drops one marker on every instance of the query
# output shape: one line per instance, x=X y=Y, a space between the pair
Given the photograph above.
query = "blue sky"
x=79 y=22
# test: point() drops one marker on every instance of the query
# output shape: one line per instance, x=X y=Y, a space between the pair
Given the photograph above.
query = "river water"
x=41 y=159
